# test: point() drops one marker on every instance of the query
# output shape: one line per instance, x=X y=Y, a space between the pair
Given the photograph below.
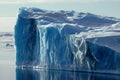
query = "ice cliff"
x=51 y=40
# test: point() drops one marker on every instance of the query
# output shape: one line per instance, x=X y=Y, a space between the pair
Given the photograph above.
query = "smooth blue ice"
x=47 y=39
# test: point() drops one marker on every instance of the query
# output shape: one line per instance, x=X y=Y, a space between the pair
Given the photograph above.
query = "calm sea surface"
x=10 y=72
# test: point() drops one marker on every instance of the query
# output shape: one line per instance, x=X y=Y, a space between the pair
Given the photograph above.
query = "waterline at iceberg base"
x=46 y=39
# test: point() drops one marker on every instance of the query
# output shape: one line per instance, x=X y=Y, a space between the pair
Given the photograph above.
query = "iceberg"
x=46 y=39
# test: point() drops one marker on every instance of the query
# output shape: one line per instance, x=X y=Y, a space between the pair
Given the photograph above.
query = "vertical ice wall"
x=60 y=50
x=48 y=46
x=26 y=41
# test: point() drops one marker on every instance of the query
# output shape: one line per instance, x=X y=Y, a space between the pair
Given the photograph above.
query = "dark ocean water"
x=10 y=72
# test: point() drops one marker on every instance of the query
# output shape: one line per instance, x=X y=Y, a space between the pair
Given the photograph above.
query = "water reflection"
x=28 y=74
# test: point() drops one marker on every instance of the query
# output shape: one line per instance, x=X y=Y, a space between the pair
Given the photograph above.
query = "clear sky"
x=9 y=8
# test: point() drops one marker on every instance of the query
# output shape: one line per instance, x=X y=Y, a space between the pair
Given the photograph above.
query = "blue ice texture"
x=46 y=39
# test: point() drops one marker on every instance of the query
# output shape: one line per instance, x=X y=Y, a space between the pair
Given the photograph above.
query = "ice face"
x=52 y=43
x=58 y=49
x=26 y=40
x=49 y=46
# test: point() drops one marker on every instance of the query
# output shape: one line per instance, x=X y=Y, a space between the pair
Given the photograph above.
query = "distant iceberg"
x=52 y=40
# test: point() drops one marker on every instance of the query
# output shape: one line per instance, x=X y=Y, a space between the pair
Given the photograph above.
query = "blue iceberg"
x=47 y=39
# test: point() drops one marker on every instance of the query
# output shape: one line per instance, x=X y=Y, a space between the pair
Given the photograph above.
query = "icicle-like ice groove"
x=43 y=46
x=78 y=47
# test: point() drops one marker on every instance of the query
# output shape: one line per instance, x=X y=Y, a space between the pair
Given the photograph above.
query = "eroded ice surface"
x=55 y=40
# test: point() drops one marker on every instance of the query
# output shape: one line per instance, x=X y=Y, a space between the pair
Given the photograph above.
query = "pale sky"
x=9 y=8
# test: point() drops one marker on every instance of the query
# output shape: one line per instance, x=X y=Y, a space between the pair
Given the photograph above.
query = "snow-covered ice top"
x=94 y=25
x=71 y=17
